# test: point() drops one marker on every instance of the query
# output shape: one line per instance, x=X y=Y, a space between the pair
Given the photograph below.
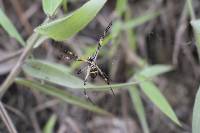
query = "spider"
x=92 y=69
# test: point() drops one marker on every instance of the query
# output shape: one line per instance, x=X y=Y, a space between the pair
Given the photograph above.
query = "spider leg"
x=71 y=56
x=81 y=70
x=85 y=81
x=100 y=42
x=105 y=77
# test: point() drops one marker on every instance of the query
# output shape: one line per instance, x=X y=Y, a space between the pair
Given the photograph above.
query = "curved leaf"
x=155 y=70
x=140 y=20
x=50 y=124
x=154 y=94
x=139 y=108
x=9 y=27
x=68 y=26
x=58 y=74
x=63 y=95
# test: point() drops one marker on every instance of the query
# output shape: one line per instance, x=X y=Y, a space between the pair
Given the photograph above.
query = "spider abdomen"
x=93 y=72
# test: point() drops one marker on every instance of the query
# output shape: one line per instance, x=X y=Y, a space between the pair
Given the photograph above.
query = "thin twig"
x=17 y=69
x=10 y=56
x=46 y=105
x=35 y=122
x=16 y=112
x=6 y=119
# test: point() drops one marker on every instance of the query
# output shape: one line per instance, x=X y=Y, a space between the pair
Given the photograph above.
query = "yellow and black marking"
x=93 y=72
x=92 y=69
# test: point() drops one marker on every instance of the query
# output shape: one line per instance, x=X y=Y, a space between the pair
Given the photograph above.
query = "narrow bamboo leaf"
x=196 y=114
x=140 y=20
x=155 y=70
x=68 y=26
x=9 y=28
x=139 y=107
x=63 y=95
x=154 y=94
x=60 y=75
x=54 y=73
x=196 y=27
x=50 y=6
x=50 y=124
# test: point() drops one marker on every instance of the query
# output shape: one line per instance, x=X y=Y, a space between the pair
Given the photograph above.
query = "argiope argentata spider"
x=92 y=69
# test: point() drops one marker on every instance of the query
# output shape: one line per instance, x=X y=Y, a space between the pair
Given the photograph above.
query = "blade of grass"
x=60 y=75
x=6 y=119
x=54 y=73
x=155 y=70
x=196 y=114
x=139 y=108
x=50 y=6
x=9 y=28
x=140 y=20
x=63 y=95
x=50 y=124
x=65 y=27
x=154 y=94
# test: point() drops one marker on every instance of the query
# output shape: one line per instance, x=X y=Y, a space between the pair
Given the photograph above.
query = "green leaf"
x=9 y=28
x=155 y=70
x=196 y=114
x=63 y=95
x=196 y=27
x=63 y=28
x=50 y=6
x=121 y=6
x=140 y=20
x=50 y=124
x=139 y=107
x=154 y=94
x=54 y=73
x=59 y=74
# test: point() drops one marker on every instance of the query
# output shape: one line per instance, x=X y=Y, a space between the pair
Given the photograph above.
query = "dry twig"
x=6 y=119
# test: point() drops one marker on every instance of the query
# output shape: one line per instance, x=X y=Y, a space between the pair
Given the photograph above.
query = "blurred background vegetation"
x=150 y=55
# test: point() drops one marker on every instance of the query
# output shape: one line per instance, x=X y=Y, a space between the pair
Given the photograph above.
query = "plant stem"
x=17 y=68
x=6 y=119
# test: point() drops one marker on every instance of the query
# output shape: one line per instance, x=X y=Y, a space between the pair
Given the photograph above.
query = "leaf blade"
x=155 y=70
x=60 y=75
x=154 y=94
x=50 y=124
x=62 y=95
x=139 y=108
x=68 y=26
x=140 y=20
x=9 y=28
x=196 y=114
